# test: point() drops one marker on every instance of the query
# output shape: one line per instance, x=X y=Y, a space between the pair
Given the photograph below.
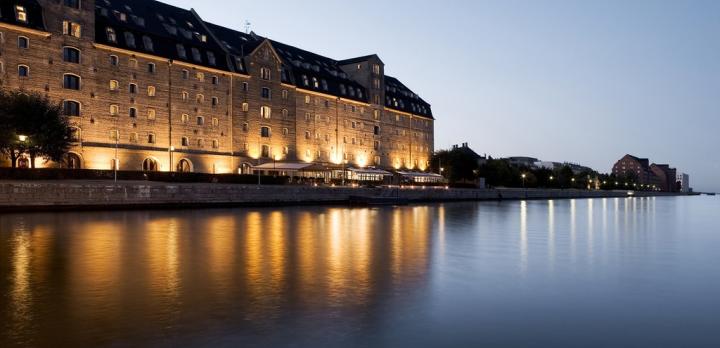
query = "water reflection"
x=303 y=275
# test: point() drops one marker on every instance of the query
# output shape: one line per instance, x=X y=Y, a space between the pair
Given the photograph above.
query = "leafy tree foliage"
x=42 y=123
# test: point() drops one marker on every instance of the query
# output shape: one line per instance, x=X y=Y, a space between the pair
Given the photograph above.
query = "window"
x=307 y=99
x=200 y=142
x=316 y=84
x=305 y=80
x=132 y=88
x=200 y=120
x=376 y=130
x=215 y=101
x=71 y=55
x=133 y=63
x=71 y=82
x=245 y=107
x=200 y=98
x=211 y=58
x=376 y=83
x=115 y=135
x=185 y=74
x=111 y=35
x=151 y=114
x=285 y=113
x=151 y=138
x=265 y=151
x=185 y=141
x=185 y=96
x=285 y=131
x=200 y=76
x=265 y=94
x=307 y=135
x=129 y=39
x=71 y=108
x=215 y=144
x=114 y=85
x=245 y=127
x=23 y=70
x=148 y=43
x=132 y=112
x=72 y=29
x=215 y=122
x=284 y=94
x=215 y=80
x=114 y=60
x=376 y=69
x=21 y=14
x=185 y=118
x=265 y=74
x=196 y=54
x=245 y=86
x=265 y=111
x=182 y=53
x=151 y=68
x=133 y=137
x=265 y=132
x=23 y=42
x=151 y=91
x=114 y=110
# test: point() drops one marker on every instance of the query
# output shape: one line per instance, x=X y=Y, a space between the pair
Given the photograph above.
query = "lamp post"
x=172 y=167
x=115 y=164
x=523 y=179
x=23 y=138
x=344 y=162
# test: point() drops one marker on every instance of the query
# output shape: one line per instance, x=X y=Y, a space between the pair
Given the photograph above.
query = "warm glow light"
x=22 y=138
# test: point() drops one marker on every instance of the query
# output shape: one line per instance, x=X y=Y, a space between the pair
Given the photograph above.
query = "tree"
x=41 y=122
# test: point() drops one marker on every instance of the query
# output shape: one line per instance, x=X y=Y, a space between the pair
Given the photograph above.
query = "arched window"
x=75 y=134
x=151 y=91
x=265 y=132
x=72 y=161
x=184 y=166
x=71 y=108
x=148 y=43
x=265 y=111
x=129 y=39
x=111 y=35
x=23 y=42
x=23 y=70
x=114 y=85
x=71 y=55
x=71 y=82
x=150 y=165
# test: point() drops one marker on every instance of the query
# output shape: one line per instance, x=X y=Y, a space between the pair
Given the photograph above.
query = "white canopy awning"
x=420 y=175
x=369 y=171
x=282 y=166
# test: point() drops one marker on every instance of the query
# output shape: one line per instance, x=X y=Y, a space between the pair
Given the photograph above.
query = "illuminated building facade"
x=154 y=87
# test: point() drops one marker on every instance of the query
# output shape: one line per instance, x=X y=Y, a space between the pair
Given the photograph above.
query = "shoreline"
x=28 y=196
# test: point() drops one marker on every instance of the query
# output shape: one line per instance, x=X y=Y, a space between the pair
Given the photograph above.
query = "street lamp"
x=523 y=179
x=22 y=138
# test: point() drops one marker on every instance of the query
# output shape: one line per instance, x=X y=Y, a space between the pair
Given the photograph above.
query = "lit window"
x=215 y=122
x=265 y=74
x=185 y=96
x=151 y=114
x=111 y=35
x=265 y=111
x=72 y=29
x=307 y=99
x=200 y=98
x=200 y=76
x=185 y=118
x=215 y=144
x=114 y=110
x=245 y=107
x=114 y=85
x=21 y=14
x=133 y=137
x=115 y=135
x=151 y=91
x=284 y=94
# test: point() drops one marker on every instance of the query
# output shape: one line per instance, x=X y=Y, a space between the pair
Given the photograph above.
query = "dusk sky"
x=577 y=81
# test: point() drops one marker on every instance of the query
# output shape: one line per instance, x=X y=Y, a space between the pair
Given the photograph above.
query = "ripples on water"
x=591 y=273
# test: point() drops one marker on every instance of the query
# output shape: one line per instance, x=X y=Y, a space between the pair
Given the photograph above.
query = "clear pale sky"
x=580 y=81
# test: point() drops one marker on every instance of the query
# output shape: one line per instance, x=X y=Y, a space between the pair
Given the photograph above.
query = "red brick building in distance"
x=659 y=175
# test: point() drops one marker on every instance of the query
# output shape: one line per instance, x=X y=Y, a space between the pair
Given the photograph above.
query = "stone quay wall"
x=70 y=195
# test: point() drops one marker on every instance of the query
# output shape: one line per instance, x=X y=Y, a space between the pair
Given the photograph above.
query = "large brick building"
x=639 y=170
x=157 y=88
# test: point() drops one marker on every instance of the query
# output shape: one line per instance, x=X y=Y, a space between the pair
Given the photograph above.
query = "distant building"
x=683 y=182
x=578 y=169
x=665 y=178
x=481 y=160
x=659 y=176
x=521 y=161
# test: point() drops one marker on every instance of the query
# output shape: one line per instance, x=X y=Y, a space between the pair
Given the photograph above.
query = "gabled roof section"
x=399 y=97
x=359 y=59
x=8 y=14
x=159 y=29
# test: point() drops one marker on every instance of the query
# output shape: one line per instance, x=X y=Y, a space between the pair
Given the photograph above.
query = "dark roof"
x=359 y=59
x=399 y=97
x=168 y=28
x=34 y=13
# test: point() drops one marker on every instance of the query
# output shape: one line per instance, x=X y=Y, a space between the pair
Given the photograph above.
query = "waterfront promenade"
x=69 y=195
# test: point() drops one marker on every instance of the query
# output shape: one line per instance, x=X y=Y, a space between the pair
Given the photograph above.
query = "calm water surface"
x=580 y=273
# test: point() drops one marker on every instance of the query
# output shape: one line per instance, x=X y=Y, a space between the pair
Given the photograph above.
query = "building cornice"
x=408 y=114
x=25 y=30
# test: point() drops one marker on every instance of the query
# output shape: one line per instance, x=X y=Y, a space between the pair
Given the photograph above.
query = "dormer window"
x=316 y=83
x=129 y=39
x=182 y=53
x=196 y=54
x=111 y=36
x=148 y=43
x=21 y=14
x=211 y=58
